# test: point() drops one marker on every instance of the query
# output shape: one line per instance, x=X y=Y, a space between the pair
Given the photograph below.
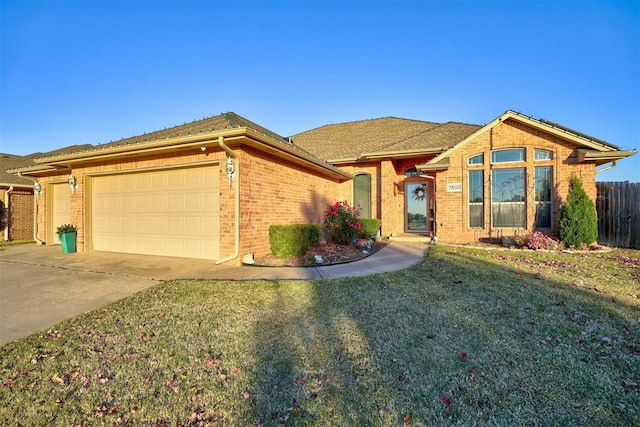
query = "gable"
x=588 y=148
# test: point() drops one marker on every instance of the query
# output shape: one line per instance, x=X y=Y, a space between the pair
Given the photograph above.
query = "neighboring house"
x=211 y=188
x=16 y=201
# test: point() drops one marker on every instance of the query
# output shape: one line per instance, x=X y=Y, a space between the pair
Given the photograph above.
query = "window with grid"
x=508 y=198
x=543 y=196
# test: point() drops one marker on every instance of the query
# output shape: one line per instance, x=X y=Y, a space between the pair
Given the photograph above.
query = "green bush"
x=293 y=239
x=578 y=217
x=370 y=227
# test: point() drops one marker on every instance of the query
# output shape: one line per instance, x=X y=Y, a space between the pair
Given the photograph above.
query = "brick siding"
x=277 y=192
x=453 y=209
x=19 y=215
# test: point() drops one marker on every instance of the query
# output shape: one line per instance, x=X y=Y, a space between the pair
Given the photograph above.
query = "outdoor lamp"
x=72 y=184
x=37 y=188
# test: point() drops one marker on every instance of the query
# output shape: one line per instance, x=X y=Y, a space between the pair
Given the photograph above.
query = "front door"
x=417 y=208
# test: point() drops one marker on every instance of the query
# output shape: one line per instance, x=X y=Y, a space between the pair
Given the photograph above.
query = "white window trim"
x=524 y=150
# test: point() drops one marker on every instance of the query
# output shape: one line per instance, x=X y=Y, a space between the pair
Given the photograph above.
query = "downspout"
x=7 y=201
x=231 y=175
x=35 y=209
x=606 y=168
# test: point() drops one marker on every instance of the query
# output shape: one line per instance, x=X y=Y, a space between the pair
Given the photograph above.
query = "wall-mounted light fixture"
x=37 y=188
x=230 y=170
x=73 y=184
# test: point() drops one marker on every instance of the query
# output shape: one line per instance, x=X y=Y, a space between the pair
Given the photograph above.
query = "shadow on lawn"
x=454 y=340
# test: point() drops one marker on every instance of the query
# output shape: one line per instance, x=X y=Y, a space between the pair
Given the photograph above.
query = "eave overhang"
x=442 y=165
x=601 y=157
x=8 y=184
x=405 y=154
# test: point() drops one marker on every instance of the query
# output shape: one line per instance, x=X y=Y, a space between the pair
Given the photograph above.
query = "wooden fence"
x=618 y=207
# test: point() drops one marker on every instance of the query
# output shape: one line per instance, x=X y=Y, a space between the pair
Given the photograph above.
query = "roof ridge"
x=399 y=141
x=165 y=128
x=462 y=123
x=365 y=120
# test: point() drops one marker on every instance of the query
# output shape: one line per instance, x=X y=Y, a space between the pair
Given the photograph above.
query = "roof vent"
x=290 y=140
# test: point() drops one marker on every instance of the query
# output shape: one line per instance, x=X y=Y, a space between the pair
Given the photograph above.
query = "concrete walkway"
x=40 y=286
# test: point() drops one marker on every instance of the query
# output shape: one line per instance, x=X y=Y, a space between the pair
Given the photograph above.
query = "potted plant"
x=67 y=234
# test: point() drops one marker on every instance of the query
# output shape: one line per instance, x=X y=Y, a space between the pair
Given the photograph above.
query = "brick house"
x=16 y=201
x=211 y=188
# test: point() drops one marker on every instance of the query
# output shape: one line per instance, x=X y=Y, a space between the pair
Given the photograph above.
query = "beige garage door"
x=171 y=212
x=60 y=195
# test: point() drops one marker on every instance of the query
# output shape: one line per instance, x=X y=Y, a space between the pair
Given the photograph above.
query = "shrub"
x=341 y=222
x=370 y=227
x=293 y=239
x=578 y=217
x=535 y=240
x=66 y=228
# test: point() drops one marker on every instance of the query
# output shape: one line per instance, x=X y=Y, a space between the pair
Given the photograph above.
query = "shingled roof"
x=345 y=142
x=13 y=161
x=220 y=122
x=10 y=161
x=184 y=135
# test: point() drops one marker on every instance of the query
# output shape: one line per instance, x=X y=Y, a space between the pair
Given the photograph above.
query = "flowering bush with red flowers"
x=536 y=240
x=341 y=222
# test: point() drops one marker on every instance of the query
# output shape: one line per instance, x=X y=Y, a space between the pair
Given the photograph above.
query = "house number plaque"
x=454 y=187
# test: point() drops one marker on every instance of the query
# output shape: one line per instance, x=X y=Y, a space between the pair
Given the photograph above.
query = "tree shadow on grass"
x=454 y=340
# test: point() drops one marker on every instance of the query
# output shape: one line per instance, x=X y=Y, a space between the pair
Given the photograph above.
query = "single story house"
x=211 y=188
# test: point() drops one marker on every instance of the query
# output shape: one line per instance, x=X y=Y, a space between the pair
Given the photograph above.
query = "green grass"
x=467 y=337
x=14 y=243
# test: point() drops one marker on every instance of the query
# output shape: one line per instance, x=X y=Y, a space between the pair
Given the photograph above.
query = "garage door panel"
x=159 y=180
x=158 y=202
x=166 y=212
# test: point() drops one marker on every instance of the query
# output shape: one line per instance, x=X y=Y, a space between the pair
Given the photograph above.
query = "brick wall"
x=18 y=213
x=21 y=214
x=277 y=192
x=453 y=211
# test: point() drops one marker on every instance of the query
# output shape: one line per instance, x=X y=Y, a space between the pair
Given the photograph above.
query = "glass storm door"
x=416 y=208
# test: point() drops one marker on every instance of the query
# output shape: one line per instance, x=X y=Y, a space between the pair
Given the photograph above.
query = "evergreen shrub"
x=293 y=239
x=370 y=227
x=578 y=218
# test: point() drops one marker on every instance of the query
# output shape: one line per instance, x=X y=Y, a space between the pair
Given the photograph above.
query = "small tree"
x=578 y=217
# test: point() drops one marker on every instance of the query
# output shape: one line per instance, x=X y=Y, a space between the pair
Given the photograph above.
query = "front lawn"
x=467 y=337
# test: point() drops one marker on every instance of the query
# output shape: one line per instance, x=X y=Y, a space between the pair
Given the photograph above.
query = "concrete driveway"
x=40 y=286
x=35 y=295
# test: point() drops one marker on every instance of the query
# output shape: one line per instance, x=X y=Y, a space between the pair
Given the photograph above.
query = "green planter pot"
x=68 y=241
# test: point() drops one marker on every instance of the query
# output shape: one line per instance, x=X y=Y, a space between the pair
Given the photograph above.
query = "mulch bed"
x=330 y=253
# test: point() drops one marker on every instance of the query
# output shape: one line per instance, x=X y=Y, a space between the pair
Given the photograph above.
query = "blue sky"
x=78 y=72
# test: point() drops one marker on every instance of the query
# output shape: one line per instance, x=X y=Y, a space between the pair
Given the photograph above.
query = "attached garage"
x=168 y=212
